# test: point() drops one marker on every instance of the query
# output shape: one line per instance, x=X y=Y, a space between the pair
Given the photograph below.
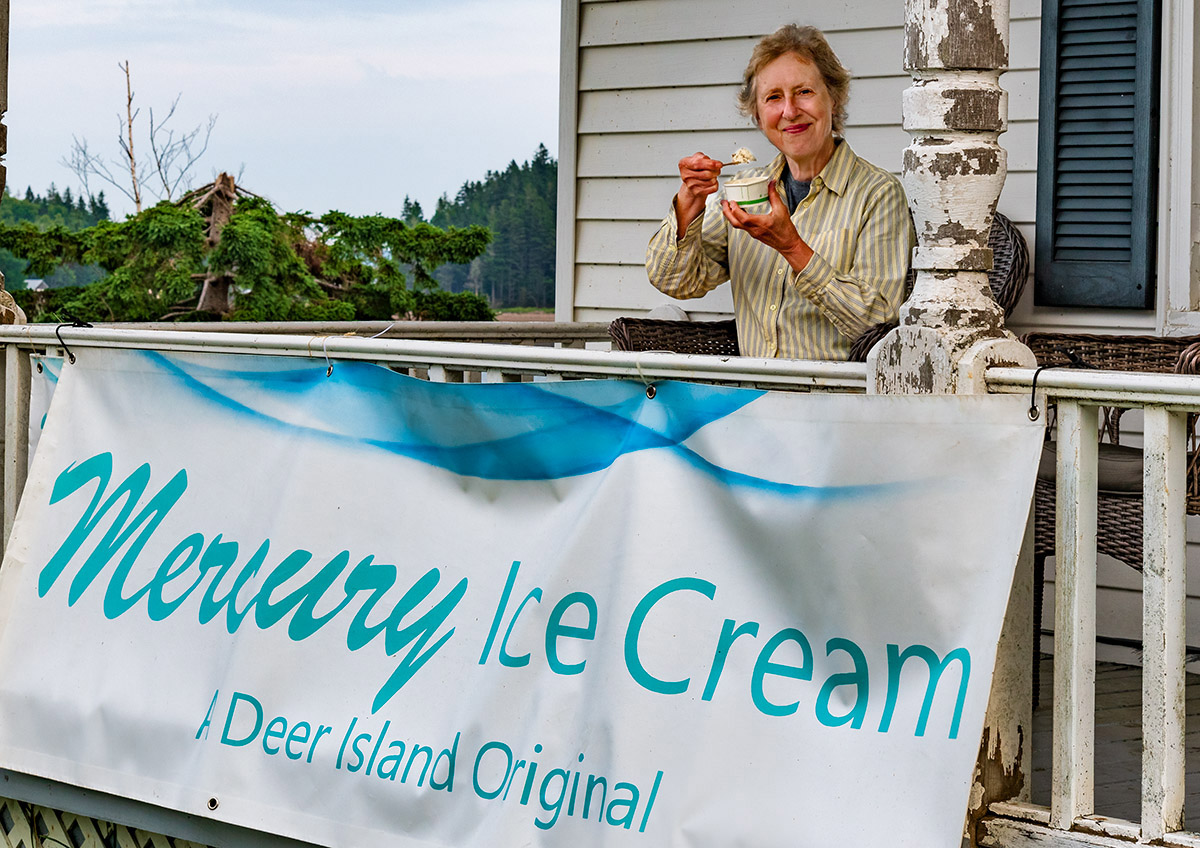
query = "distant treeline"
x=519 y=205
x=45 y=211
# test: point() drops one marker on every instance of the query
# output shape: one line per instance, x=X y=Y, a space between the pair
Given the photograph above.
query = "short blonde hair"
x=809 y=44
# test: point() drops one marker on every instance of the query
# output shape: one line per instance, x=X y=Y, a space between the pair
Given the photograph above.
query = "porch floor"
x=1118 y=742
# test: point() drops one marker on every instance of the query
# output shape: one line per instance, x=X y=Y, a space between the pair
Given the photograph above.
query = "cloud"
x=319 y=100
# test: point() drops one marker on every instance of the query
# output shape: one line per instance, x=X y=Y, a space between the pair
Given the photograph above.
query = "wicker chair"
x=718 y=338
x=1010 y=270
x=1119 y=503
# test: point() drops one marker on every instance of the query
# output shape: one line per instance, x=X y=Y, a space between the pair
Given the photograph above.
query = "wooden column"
x=10 y=313
x=3 y=89
x=950 y=328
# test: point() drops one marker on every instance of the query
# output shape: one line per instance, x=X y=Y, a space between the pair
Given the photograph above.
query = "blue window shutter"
x=1098 y=153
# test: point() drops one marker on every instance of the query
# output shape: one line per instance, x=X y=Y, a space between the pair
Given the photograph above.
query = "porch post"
x=3 y=88
x=950 y=328
x=10 y=313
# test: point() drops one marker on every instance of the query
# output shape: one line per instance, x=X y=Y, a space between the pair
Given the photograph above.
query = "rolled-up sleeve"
x=695 y=264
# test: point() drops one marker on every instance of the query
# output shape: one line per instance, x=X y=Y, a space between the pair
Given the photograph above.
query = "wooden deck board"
x=1118 y=742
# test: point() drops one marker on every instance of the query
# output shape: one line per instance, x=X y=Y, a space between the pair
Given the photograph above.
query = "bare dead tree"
x=216 y=205
x=173 y=154
x=127 y=149
x=176 y=155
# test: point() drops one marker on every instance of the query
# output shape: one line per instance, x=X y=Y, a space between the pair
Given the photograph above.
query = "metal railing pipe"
x=647 y=366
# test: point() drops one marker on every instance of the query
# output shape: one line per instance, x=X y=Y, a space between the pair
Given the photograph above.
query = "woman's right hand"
x=699 y=175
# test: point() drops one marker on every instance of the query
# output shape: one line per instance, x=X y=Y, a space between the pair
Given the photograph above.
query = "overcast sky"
x=345 y=105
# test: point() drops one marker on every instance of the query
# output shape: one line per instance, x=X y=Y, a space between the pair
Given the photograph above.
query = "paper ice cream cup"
x=750 y=193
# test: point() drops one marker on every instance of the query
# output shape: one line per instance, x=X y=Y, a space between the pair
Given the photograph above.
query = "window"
x=1098 y=153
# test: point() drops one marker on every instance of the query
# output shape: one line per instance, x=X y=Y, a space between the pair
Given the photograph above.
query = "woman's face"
x=795 y=112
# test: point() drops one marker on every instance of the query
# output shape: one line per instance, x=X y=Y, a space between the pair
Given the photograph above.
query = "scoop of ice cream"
x=741 y=156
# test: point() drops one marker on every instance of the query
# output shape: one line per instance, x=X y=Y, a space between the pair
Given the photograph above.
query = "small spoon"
x=745 y=161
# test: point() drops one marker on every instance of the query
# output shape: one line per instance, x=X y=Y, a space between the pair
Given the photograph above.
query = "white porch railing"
x=1015 y=821
x=1071 y=819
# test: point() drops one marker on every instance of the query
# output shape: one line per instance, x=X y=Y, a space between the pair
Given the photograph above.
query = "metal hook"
x=1076 y=360
x=1034 y=412
x=74 y=322
x=58 y=335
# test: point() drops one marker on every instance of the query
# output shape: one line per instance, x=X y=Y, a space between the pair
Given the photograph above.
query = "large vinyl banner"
x=367 y=610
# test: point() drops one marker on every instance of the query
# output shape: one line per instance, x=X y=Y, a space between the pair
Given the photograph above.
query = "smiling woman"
x=828 y=258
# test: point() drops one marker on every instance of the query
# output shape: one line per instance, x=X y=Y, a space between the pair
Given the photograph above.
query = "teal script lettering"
x=213 y=564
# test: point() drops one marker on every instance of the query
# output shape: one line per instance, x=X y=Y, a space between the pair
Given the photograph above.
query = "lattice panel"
x=28 y=826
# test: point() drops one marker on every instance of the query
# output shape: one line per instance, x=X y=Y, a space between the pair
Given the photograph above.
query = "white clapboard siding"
x=614 y=242
x=865 y=53
x=647 y=21
x=598 y=282
x=1019 y=197
x=1028 y=317
x=646 y=154
x=649 y=199
x=645 y=199
x=874 y=102
x=643 y=21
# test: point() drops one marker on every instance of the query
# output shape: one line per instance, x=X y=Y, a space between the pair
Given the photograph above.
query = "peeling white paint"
x=954 y=170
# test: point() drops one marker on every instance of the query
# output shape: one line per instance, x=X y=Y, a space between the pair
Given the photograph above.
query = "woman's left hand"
x=774 y=229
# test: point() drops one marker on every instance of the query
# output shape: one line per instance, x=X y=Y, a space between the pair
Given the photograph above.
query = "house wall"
x=646 y=82
x=655 y=80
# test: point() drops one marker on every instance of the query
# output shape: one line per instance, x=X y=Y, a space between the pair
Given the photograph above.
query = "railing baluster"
x=5 y=414
x=442 y=374
x=16 y=431
x=1075 y=616
x=1163 y=636
x=497 y=375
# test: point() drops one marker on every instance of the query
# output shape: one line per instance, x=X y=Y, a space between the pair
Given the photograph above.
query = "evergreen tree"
x=411 y=213
x=519 y=206
x=43 y=213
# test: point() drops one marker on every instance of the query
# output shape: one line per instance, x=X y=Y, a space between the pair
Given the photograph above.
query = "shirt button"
x=772 y=307
x=780 y=271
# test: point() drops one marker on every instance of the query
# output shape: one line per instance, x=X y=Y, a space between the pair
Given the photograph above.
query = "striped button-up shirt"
x=855 y=219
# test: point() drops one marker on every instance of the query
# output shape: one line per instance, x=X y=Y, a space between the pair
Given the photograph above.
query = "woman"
x=830 y=258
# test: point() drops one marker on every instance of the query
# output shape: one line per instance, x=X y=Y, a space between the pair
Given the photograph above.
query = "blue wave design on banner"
x=500 y=431
x=51 y=367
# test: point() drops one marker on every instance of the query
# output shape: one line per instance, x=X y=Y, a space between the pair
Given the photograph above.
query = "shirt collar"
x=836 y=172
